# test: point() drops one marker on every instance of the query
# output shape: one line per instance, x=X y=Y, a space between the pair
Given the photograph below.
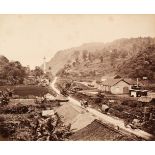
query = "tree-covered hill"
x=98 y=59
x=140 y=65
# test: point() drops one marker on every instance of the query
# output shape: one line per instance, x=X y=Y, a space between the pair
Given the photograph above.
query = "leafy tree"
x=38 y=71
x=3 y=60
x=124 y=54
x=101 y=59
x=14 y=72
x=90 y=57
x=77 y=60
x=85 y=55
x=60 y=72
x=93 y=72
x=74 y=63
x=114 y=55
x=76 y=55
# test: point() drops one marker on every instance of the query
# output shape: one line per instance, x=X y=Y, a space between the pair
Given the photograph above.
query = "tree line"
x=12 y=72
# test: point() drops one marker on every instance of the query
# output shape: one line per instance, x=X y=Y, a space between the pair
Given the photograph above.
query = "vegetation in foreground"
x=26 y=123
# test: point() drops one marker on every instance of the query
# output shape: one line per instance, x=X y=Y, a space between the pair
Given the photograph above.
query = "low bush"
x=118 y=108
x=130 y=103
x=7 y=129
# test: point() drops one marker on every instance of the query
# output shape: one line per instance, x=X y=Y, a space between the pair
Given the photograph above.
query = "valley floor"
x=22 y=119
x=112 y=120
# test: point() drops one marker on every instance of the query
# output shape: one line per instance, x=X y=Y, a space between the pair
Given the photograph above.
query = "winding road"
x=107 y=119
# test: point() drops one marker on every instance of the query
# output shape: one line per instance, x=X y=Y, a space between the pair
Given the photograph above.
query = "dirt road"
x=108 y=119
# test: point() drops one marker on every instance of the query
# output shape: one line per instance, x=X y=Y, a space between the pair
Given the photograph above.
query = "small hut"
x=105 y=108
x=49 y=97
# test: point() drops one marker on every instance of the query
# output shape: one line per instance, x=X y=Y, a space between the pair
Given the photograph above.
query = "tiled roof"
x=97 y=132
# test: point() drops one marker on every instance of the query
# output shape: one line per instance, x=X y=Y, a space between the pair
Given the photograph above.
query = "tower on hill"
x=44 y=63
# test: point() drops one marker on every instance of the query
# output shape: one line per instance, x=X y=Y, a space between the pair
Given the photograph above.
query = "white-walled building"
x=115 y=86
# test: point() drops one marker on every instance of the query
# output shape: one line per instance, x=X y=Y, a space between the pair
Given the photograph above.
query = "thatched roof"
x=67 y=112
x=74 y=115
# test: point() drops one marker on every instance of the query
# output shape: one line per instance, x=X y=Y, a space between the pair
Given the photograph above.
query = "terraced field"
x=25 y=91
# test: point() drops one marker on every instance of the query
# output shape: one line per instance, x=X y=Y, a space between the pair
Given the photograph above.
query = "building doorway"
x=125 y=90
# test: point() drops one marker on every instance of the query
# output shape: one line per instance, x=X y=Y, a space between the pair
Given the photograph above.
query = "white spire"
x=44 y=64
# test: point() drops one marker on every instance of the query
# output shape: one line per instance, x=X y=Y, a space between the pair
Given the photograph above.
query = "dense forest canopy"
x=141 y=65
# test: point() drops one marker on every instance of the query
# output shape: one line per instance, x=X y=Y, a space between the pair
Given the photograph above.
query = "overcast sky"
x=28 y=38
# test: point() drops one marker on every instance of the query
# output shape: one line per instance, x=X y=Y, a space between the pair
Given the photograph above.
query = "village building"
x=137 y=90
x=49 y=97
x=138 y=93
x=116 y=86
x=97 y=82
x=98 y=131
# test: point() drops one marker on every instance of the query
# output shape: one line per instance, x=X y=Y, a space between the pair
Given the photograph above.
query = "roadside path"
x=107 y=119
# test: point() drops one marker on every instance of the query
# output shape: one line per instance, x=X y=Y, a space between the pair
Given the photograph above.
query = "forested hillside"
x=140 y=65
x=127 y=57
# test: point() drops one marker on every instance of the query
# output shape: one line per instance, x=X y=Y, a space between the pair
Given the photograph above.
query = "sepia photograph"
x=77 y=77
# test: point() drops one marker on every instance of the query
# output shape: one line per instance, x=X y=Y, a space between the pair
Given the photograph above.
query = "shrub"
x=124 y=103
x=133 y=104
x=130 y=103
x=2 y=119
x=118 y=108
